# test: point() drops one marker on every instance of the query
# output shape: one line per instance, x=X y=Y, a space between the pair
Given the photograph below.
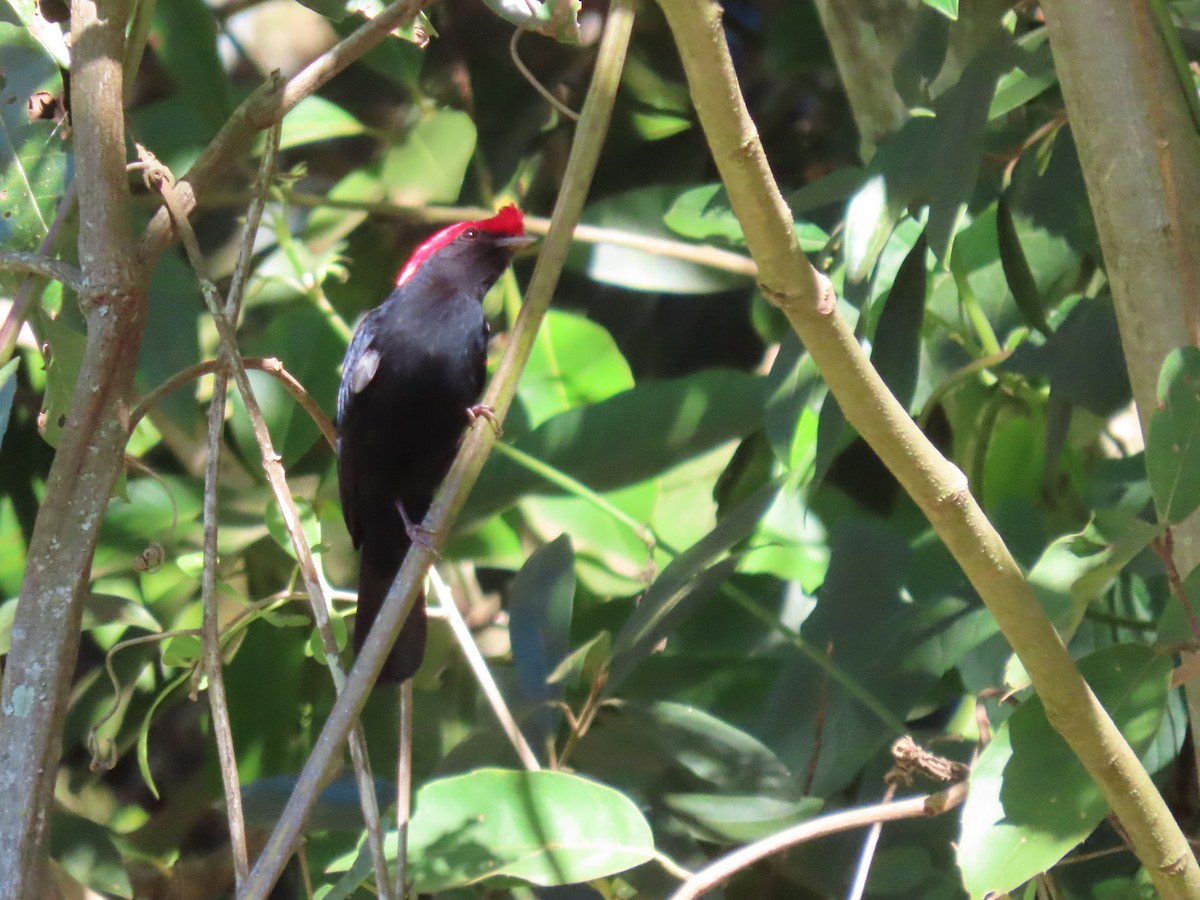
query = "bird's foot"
x=483 y=411
x=417 y=533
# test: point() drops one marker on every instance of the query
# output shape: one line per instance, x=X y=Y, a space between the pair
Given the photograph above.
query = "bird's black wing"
x=358 y=369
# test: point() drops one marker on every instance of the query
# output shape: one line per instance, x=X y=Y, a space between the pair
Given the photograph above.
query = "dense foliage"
x=695 y=585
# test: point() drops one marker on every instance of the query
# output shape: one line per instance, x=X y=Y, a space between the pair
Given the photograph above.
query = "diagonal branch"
x=936 y=485
x=585 y=151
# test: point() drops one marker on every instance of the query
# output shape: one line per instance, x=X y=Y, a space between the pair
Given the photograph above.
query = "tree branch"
x=936 y=485
x=36 y=264
x=585 y=151
x=45 y=634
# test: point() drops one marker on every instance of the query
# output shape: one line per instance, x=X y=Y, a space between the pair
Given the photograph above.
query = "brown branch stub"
x=912 y=759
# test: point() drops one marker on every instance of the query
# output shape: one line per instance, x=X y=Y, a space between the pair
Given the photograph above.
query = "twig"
x=404 y=786
x=542 y=90
x=867 y=855
x=483 y=674
x=213 y=662
x=211 y=644
x=160 y=178
x=585 y=150
x=1164 y=546
x=37 y=264
x=269 y=364
x=732 y=863
x=810 y=773
x=700 y=254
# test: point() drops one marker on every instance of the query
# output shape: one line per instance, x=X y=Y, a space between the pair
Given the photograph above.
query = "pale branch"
x=269 y=364
x=37 y=264
x=729 y=865
x=46 y=628
x=211 y=645
x=936 y=485
x=585 y=151
x=700 y=254
x=483 y=675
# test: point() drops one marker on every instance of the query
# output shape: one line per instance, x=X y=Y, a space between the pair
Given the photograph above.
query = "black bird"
x=411 y=378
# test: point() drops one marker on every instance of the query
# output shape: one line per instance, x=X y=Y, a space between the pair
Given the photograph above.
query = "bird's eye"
x=471 y=233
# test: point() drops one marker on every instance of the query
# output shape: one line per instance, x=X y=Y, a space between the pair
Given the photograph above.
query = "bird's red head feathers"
x=509 y=222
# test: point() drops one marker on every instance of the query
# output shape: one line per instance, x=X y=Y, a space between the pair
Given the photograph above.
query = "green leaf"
x=33 y=157
x=627 y=438
x=640 y=212
x=1173 y=443
x=1033 y=74
x=185 y=35
x=86 y=850
x=709 y=748
x=948 y=8
x=546 y=828
x=66 y=357
x=306 y=341
x=1016 y=269
x=574 y=362
x=558 y=19
x=8 y=390
x=315 y=119
x=739 y=818
x=1031 y=801
x=704 y=214
x=49 y=35
x=896 y=352
x=309 y=524
x=540 y=603
x=691 y=577
x=429 y=165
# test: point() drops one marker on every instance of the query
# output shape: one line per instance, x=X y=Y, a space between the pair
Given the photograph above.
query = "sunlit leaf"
x=546 y=828
x=1031 y=800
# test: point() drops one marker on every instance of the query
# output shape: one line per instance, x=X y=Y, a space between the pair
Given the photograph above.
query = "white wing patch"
x=364 y=370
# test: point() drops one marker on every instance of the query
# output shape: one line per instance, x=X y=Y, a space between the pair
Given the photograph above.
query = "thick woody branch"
x=45 y=634
x=933 y=482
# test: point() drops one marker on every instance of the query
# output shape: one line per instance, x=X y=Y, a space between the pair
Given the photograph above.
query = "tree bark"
x=45 y=634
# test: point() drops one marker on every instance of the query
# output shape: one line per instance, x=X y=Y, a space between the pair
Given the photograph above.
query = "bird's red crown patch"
x=509 y=222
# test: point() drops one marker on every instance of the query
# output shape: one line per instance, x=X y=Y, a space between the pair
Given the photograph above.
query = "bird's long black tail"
x=383 y=550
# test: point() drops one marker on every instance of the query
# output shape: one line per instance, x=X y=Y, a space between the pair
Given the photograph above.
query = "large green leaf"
x=429 y=164
x=626 y=438
x=896 y=352
x=540 y=604
x=33 y=158
x=546 y=828
x=574 y=362
x=1031 y=800
x=1173 y=443
x=691 y=577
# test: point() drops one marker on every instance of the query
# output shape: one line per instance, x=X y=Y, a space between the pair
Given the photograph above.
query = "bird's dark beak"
x=517 y=242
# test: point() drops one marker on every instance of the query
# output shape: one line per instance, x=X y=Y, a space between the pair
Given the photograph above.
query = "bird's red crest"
x=509 y=222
